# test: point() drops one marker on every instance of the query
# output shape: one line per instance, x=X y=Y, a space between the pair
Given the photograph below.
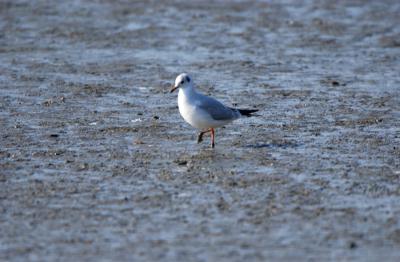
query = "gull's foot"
x=200 y=138
x=212 y=145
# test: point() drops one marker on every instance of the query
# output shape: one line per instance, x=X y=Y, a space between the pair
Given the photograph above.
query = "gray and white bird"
x=203 y=112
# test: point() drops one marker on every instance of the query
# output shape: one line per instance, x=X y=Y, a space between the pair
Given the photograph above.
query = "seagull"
x=203 y=112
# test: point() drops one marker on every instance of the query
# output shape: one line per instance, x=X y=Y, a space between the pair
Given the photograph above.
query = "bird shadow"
x=274 y=145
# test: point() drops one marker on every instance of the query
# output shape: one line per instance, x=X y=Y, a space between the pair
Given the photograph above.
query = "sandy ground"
x=97 y=164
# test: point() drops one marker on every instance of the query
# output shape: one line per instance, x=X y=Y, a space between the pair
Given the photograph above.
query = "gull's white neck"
x=187 y=91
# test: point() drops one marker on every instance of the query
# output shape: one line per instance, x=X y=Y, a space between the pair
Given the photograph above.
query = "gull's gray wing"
x=216 y=109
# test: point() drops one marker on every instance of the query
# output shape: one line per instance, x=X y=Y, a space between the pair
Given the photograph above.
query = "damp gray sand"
x=97 y=164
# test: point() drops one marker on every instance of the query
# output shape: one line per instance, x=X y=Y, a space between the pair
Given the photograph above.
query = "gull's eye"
x=182 y=82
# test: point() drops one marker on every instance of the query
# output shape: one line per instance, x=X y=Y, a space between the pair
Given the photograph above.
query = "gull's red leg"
x=212 y=137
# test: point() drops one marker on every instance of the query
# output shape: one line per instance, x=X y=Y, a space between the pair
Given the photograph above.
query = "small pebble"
x=48 y=102
x=181 y=162
x=335 y=83
x=353 y=245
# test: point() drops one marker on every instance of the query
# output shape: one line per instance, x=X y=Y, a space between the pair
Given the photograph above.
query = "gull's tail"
x=247 y=112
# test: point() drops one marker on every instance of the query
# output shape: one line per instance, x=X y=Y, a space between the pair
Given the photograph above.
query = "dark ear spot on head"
x=187 y=78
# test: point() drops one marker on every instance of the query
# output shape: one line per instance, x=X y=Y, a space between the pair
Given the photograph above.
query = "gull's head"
x=182 y=81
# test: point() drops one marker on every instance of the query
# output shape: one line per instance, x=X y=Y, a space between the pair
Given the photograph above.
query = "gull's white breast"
x=188 y=102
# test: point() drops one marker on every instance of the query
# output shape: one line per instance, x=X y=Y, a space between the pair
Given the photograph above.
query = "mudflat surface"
x=97 y=164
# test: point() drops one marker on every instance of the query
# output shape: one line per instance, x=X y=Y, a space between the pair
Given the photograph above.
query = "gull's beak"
x=173 y=88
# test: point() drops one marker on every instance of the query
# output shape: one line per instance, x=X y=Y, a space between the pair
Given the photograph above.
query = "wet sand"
x=97 y=164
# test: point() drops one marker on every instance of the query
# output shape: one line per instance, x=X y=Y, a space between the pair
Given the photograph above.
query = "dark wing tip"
x=247 y=112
